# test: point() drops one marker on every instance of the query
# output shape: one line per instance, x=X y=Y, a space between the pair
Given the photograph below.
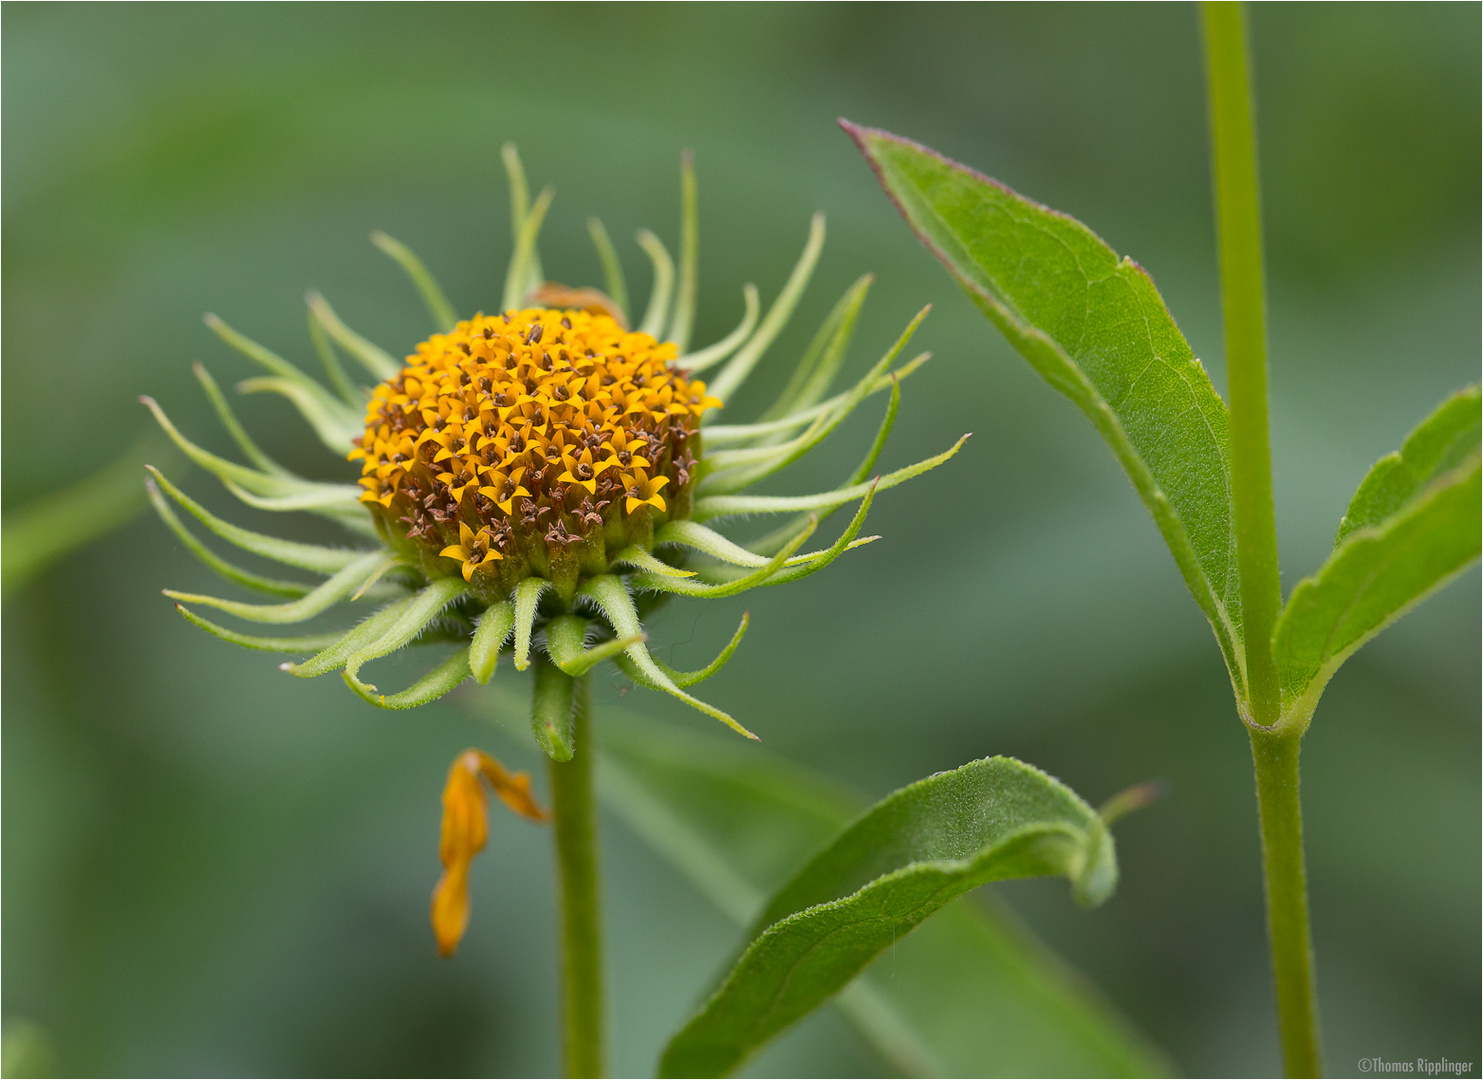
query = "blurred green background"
x=210 y=868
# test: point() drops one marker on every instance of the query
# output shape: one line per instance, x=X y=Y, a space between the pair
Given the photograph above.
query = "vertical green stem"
x=581 y=900
x=1276 y=760
x=1274 y=753
x=1238 y=219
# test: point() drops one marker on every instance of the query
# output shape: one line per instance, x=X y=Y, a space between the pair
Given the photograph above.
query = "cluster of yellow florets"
x=519 y=441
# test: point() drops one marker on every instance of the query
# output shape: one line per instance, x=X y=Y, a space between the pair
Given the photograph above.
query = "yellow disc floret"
x=536 y=441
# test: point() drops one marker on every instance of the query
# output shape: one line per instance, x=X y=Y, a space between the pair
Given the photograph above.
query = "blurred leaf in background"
x=208 y=870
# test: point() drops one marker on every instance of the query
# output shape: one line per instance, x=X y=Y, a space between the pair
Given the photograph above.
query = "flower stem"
x=1275 y=757
x=1274 y=750
x=581 y=898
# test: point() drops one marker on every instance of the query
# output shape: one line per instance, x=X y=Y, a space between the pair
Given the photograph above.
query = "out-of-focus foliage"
x=212 y=867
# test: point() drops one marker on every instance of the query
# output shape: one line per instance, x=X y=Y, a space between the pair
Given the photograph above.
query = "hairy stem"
x=1275 y=757
x=1238 y=217
x=581 y=899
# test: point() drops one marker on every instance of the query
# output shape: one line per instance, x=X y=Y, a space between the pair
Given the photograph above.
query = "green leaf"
x=1440 y=444
x=1097 y=330
x=908 y=856
x=1413 y=524
x=969 y=993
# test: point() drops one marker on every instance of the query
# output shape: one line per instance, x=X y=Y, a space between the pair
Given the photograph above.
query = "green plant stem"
x=575 y=816
x=1274 y=750
x=1275 y=756
x=1238 y=219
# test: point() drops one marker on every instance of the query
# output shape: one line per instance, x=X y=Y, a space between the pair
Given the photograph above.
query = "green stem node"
x=575 y=817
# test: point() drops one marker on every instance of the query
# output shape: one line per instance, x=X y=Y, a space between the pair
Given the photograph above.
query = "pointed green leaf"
x=701 y=359
x=1097 y=330
x=433 y=298
x=968 y=993
x=1380 y=570
x=566 y=644
x=740 y=366
x=612 y=269
x=908 y=856
x=1439 y=444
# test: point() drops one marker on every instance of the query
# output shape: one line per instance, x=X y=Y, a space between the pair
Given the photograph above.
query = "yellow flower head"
x=530 y=482
x=500 y=444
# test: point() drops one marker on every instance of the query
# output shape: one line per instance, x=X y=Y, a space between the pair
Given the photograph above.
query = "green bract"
x=564 y=613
